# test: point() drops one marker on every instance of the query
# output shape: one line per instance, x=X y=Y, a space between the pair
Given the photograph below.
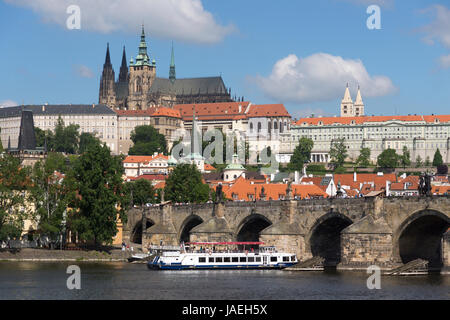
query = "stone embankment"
x=45 y=255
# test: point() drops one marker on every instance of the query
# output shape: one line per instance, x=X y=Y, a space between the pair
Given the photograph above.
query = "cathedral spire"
x=108 y=58
x=359 y=104
x=123 y=75
x=172 y=73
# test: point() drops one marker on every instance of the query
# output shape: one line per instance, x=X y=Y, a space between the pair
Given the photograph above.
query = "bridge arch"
x=420 y=236
x=136 y=233
x=188 y=224
x=251 y=226
x=324 y=237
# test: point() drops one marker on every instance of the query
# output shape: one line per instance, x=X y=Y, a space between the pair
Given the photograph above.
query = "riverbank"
x=45 y=255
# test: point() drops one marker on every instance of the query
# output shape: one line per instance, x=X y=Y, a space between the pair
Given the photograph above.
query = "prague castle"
x=138 y=87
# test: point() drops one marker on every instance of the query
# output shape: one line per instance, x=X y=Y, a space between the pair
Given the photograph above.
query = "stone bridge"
x=348 y=233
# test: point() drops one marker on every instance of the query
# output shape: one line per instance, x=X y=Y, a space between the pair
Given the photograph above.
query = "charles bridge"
x=350 y=233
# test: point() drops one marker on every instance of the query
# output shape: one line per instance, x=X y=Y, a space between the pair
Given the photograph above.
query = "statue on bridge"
x=425 y=184
x=219 y=194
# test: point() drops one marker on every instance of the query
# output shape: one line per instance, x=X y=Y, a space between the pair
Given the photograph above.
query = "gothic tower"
x=347 y=104
x=359 y=104
x=141 y=77
x=172 y=73
x=123 y=75
x=107 y=94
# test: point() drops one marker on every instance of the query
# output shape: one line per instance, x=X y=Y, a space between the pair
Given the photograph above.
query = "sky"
x=299 y=53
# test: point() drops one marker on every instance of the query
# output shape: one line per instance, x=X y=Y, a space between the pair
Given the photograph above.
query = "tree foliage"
x=140 y=192
x=65 y=139
x=388 y=159
x=97 y=176
x=302 y=154
x=87 y=139
x=419 y=162
x=338 y=152
x=147 y=140
x=405 y=158
x=364 y=158
x=437 y=159
x=185 y=185
x=50 y=193
x=13 y=209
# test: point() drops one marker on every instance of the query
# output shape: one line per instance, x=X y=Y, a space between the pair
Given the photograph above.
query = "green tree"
x=13 y=186
x=302 y=154
x=185 y=184
x=140 y=192
x=101 y=198
x=147 y=140
x=427 y=162
x=50 y=193
x=405 y=158
x=419 y=162
x=66 y=139
x=364 y=158
x=338 y=152
x=437 y=159
x=388 y=159
x=87 y=139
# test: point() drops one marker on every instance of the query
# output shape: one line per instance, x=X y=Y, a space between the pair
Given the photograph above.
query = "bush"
x=316 y=168
x=442 y=169
x=340 y=170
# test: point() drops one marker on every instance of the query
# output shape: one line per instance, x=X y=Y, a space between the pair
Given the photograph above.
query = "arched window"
x=281 y=127
x=259 y=127
x=251 y=127
x=275 y=125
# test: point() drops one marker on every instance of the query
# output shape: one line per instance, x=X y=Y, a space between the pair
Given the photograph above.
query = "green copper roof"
x=142 y=58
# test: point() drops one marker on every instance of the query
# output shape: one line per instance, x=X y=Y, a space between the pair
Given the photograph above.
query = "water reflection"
x=31 y=280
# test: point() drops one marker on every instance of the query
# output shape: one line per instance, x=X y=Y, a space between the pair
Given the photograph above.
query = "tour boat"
x=220 y=256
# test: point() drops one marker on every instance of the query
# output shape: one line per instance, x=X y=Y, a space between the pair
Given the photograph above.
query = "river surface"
x=34 y=280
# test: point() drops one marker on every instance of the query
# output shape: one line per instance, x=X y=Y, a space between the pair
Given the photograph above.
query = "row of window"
x=241 y=259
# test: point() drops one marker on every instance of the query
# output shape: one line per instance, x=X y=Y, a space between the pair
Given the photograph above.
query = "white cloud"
x=184 y=20
x=83 y=71
x=8 y=103
x=320 y=77
x=439 y=28
x=444 y=62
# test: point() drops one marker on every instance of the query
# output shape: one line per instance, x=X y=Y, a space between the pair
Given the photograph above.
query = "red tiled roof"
x=243 y=189
x=268 y=110
x=367 y=119
x=211 y=111
x=150 y=112
x=144 y=159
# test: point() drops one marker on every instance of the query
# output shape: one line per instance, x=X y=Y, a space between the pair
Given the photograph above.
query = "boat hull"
x=158 y=266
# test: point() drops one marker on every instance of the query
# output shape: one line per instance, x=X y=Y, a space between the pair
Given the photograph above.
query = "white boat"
x=205 y=258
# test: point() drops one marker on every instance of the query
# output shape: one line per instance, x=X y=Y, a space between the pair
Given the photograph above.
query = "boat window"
x=219 y=259
x=273 y=259
x=210 y=259
x=235 y=259
x=292 y=258
x=226 y=259
x=285 y=259
x=251 y=259
x=242 y=259
x=258 y=259
x=202 y=260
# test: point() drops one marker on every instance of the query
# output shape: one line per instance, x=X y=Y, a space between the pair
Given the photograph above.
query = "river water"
x=33 y=280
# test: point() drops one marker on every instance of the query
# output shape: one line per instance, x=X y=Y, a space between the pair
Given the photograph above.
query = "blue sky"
x=300 y=53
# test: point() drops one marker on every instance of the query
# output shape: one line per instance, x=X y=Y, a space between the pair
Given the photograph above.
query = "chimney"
x=354 y=177
x=93 y=106
x=297 y=177
x=43 y=108
x=240 y=108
